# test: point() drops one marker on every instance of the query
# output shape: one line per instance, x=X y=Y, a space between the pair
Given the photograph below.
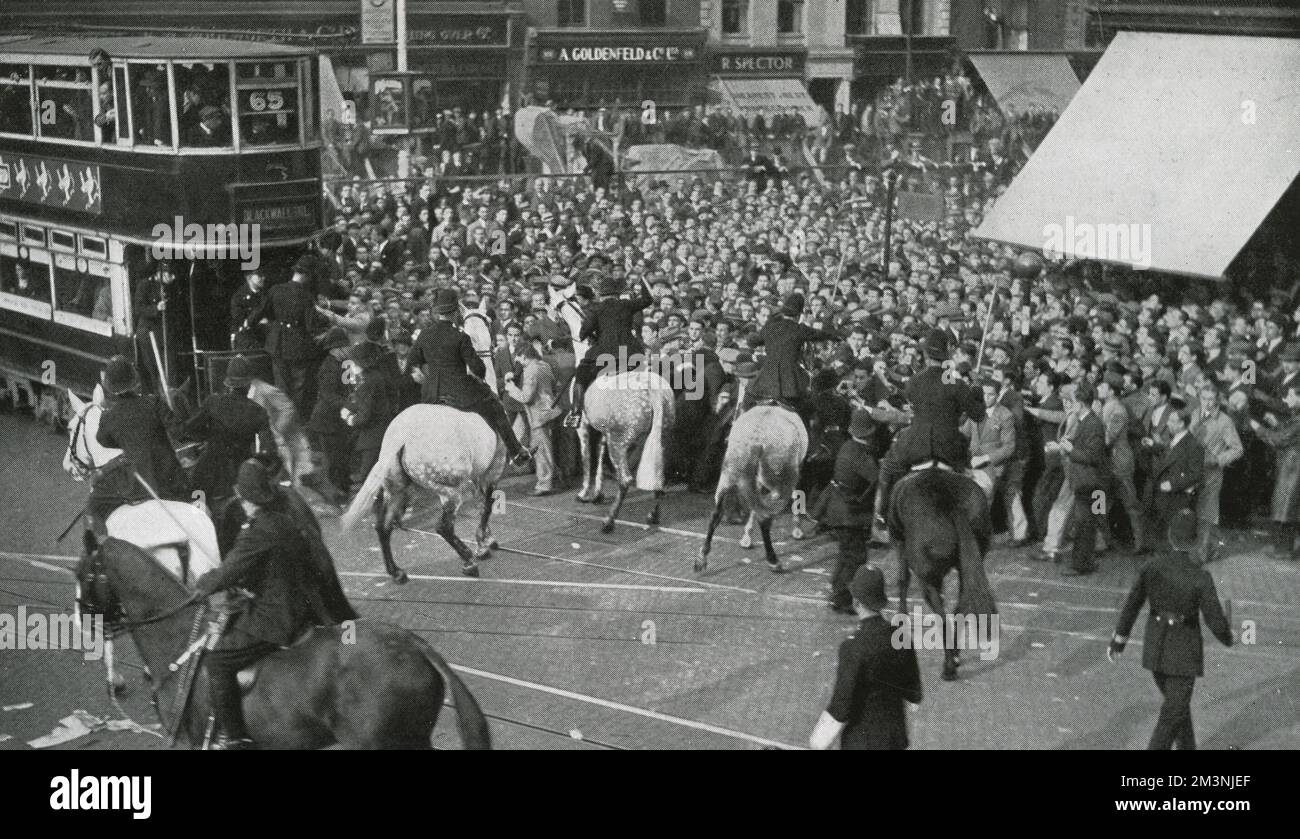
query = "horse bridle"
x=79 y=434
x=97 y=580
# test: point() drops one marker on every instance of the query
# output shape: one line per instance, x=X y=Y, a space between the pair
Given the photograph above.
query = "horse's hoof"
x=796 y=533
x=400 y=578
x=950 y=675
x=581 y=499
x=599 y=499
x=482 y=552
x=470 y=569
x=701 y=565
x=652 y=519
x=492 y=546
x=115 y=686
x=776 y=567
x=607 y=527
x=746 y=542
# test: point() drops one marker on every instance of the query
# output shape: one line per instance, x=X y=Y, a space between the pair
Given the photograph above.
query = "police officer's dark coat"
x=452 y=369
x=138 y=425
x=937 y=409
x=1180 y=593
x=144 y=306
x=331 y=397
x=292 y=314
x=270 y=559
x=782 y=375
x=872 y=681
x=849 y=500
x=612 y=323
x=231 y=425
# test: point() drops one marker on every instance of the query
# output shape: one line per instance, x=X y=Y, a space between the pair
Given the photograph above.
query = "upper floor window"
x=735 y=17
x=572 y=13
x=653 y=12
x=789 y=17
x=857 y=17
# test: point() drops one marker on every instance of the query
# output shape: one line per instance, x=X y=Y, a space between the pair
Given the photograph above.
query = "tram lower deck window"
x=84 y=294
x=24 y=278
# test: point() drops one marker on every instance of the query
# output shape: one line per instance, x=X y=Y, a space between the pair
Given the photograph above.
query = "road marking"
x=629 y=709
x=552 y=583
x=633 y=571
x=673 y=531
x=35 y=560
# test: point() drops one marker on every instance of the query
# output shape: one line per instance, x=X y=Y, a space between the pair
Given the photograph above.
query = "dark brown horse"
x=362 y=685
x=941 y=522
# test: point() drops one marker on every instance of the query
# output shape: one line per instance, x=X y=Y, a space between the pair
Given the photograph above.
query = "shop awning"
x=1018 y=80
x=746 y=95
x=1169 y=157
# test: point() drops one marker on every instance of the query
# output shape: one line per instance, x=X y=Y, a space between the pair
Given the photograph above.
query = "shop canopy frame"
x=769 y=94
x=1018 y=80
x=1170 y=157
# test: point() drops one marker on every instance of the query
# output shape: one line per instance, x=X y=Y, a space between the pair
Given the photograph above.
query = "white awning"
x=770 y=95
x=1018 y=80
x=1170 y=156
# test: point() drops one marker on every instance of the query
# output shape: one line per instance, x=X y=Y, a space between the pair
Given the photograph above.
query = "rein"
x=120 y=626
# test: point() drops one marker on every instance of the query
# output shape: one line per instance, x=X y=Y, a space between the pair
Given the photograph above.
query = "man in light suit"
x=536 y=392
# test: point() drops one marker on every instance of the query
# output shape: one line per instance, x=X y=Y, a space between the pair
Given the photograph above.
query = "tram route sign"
x=51 y=182
x=281 y=216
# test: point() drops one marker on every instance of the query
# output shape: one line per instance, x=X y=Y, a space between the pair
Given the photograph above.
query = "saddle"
x=248 y=676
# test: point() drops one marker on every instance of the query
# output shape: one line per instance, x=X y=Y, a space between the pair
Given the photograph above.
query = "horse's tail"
x=470 y=721
x=370 y=489
x=650 y=471
x=976 y=596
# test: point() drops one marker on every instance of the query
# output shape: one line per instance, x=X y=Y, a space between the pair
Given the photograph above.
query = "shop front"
x=762 y=81
x=586 y=70
x=880 y=60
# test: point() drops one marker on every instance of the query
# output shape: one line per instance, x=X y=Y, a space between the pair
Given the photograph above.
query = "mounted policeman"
x=612 y=330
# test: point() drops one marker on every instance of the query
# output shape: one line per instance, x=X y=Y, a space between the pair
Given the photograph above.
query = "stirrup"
x=573 y=420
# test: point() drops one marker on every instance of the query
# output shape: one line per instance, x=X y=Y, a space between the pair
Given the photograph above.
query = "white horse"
x=563 y=299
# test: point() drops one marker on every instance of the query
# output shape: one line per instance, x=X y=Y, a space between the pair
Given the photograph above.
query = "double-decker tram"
x=112 y=149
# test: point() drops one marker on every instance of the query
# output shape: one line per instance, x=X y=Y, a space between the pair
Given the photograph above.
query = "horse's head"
x=84 y=453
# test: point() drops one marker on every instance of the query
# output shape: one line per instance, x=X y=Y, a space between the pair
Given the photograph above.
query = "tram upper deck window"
x=15 y=99
x=203 y=104
x=150 y=108
x=267 y=98
x=64 y=103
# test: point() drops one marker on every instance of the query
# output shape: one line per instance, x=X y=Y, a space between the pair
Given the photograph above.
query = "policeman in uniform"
x=782 y=376
x=270 y=559
x=1178 y=593
x=247 y=334
x=327 y=414
x=443 y=360
x=139 y=425
x=291 y=313
x=938 y=400
x=234 y=427
x=872 y=680
x=845 y=506
x=611 y=328
x=148 y=311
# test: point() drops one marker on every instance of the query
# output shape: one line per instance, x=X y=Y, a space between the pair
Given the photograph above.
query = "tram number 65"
x=271 y=100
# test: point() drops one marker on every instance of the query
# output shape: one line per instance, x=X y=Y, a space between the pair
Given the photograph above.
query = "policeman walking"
x=291 y=313
x=845 y=507
x=1178 y=593
x=873 y=679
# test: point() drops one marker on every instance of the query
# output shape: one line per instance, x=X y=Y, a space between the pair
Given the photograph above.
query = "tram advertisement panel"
x=51 y=182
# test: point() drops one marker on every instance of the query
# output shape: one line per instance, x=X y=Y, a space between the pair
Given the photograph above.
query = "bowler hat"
x=746 y=369
x=1182 y=530
x=366 y=355
x=868 y=587
x=238 y=375
x=792 y=305
x=335 y=338
x=862 y=425
x=446 y=303
x=253 y=483
x=120 y=376
x=375 y=330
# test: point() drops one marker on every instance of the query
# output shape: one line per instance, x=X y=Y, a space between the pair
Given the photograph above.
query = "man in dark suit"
x=233 y=427
x=372 y=406
x=444 y=361
x=269 y=559
x=610 y=328
x=758 y=167
x=845 y=507
x=938 y=400
x=872 y=680
x=1087 y=470
x=1179 y=594
x=1177 y=470
x=326 y=421
x=149 y=304
x=782 y=375
x=291 y=313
